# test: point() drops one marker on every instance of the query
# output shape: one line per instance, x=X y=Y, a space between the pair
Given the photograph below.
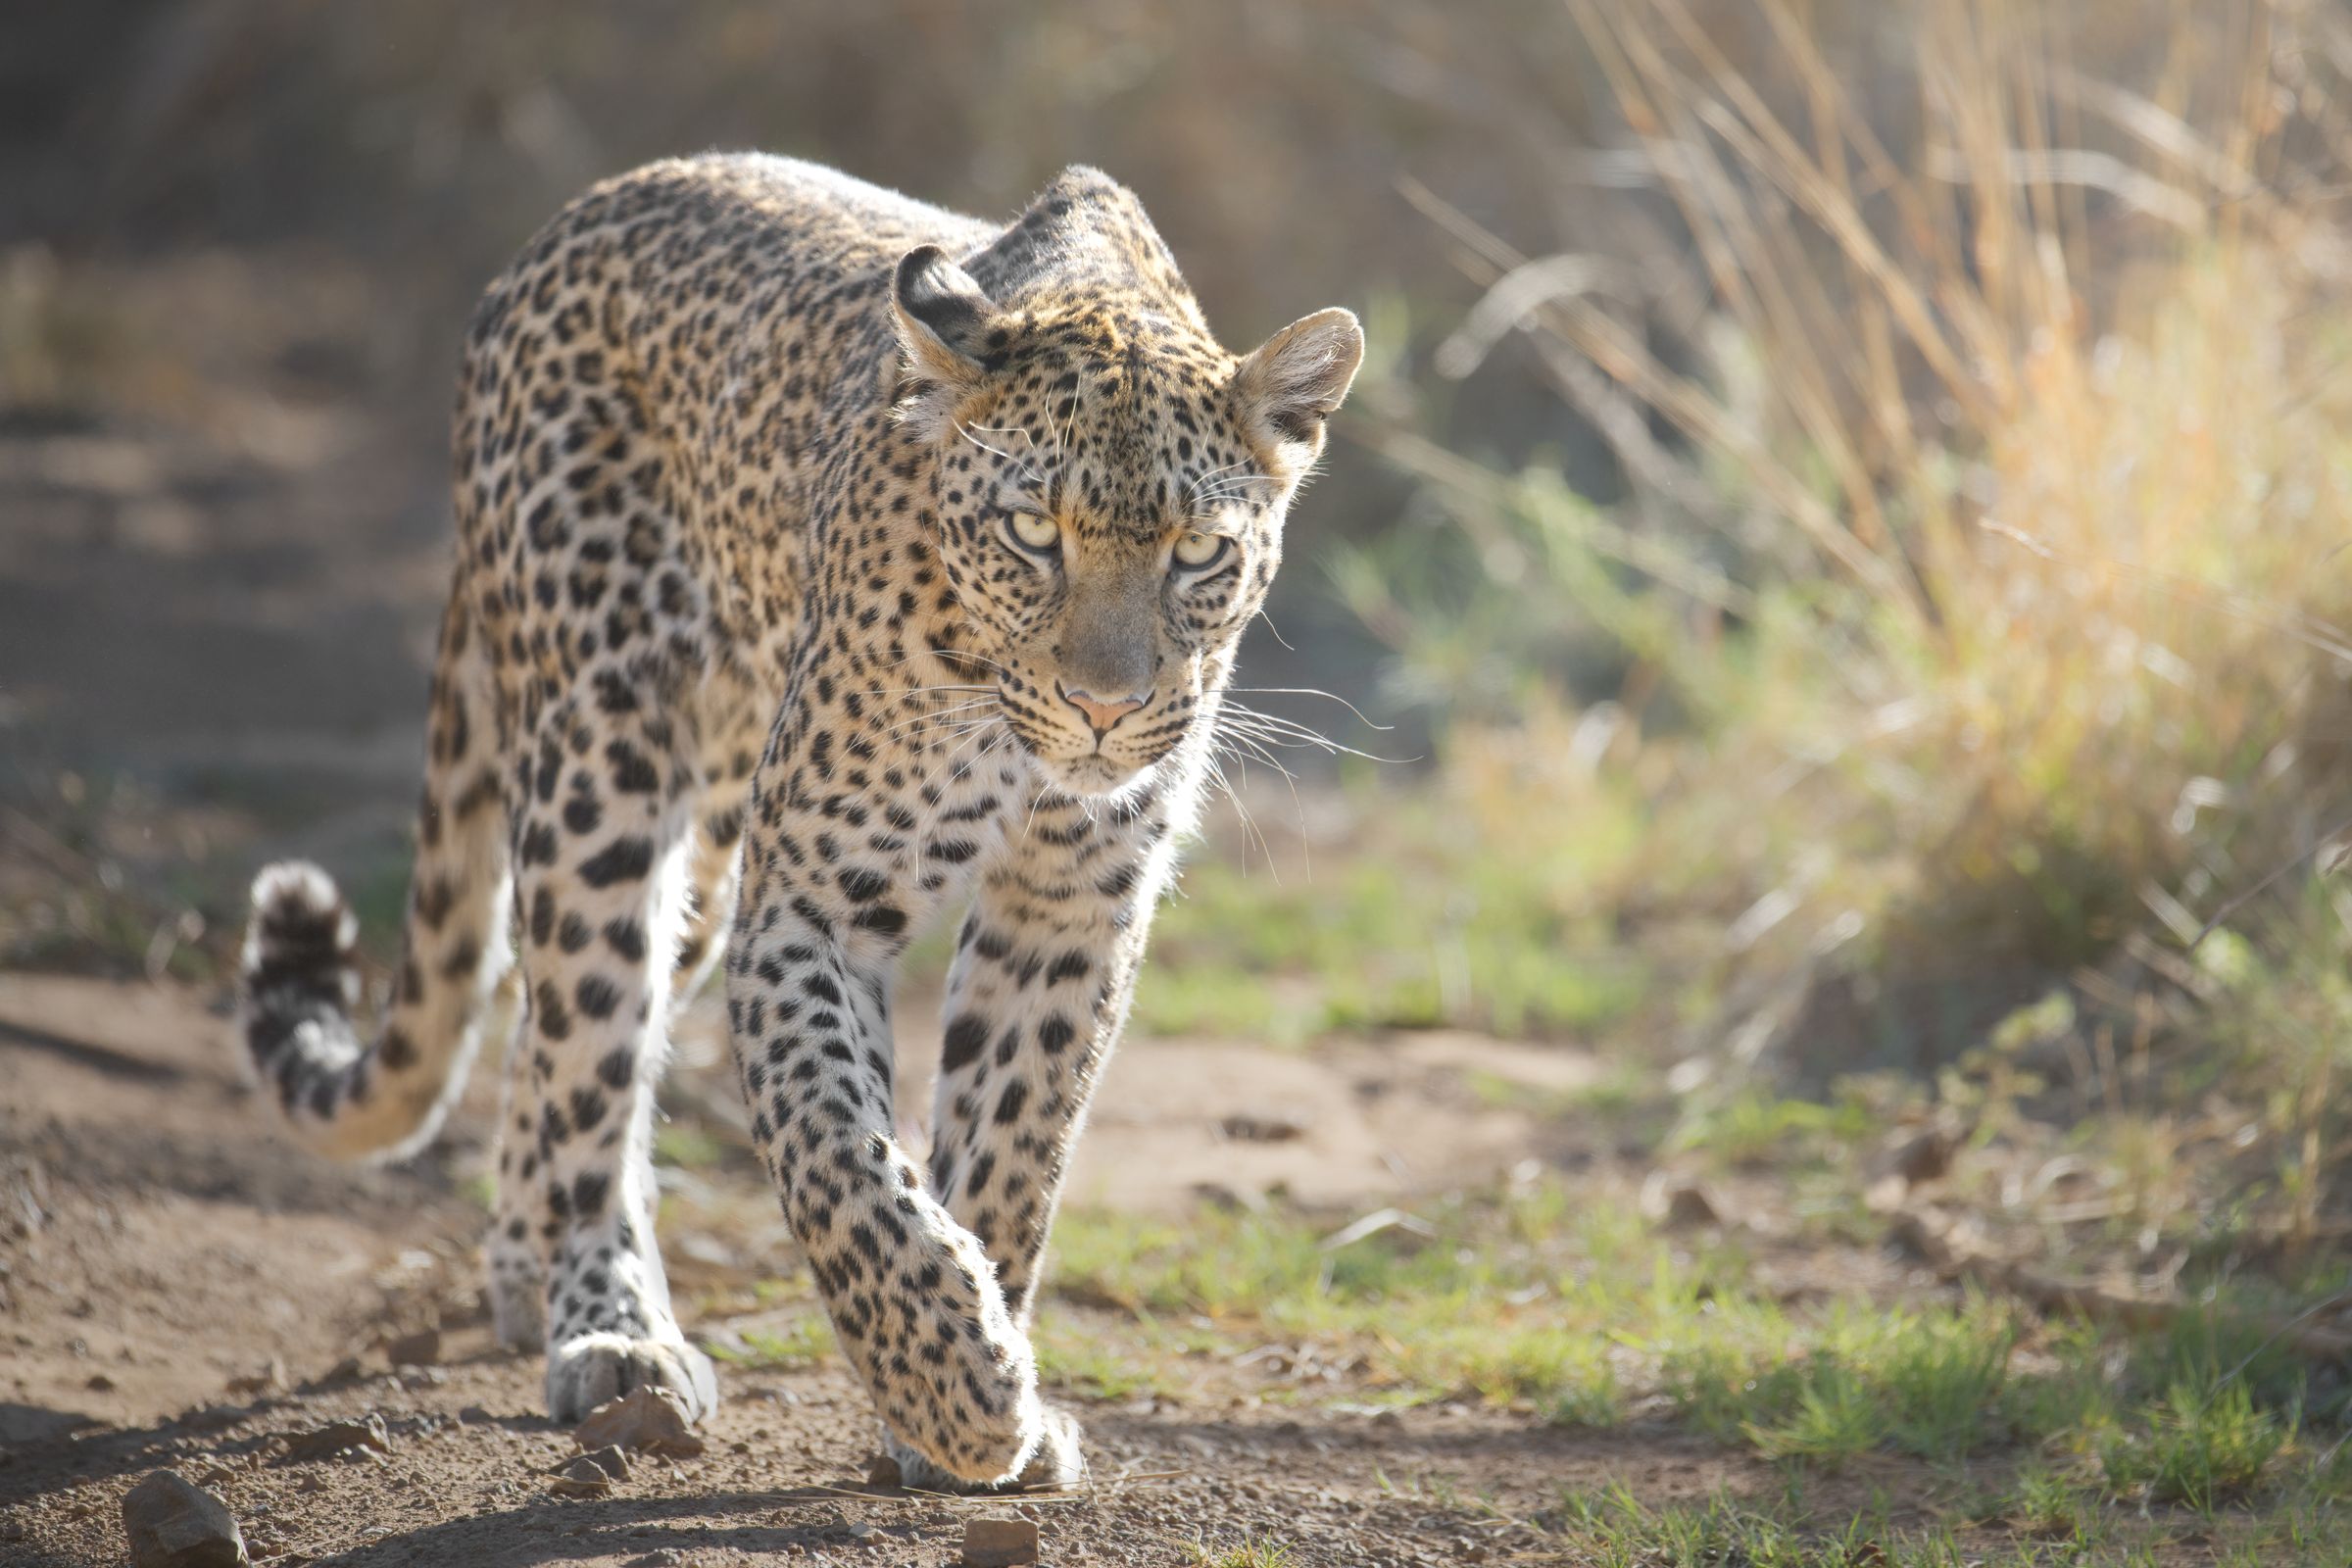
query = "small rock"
x=100 y=1383
x=611 y=1461
x=583 y=1477
x=175 y=1525
x=347 y=1370
x=883 y=1471
x=421 y=1349
x=1678 y=1204
x=1690 y=1206
x=1924 y=1157
x=271 y=1379
x=992 y=1543
x=1912 y=1160
x=338 y=1438
x=644 y=1419
x=1275 y=1129
x=862 y=1531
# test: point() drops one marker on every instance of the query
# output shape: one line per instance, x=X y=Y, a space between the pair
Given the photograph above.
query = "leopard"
x=828 y=564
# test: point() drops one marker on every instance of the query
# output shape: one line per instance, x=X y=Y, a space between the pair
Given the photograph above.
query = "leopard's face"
x=1110 y=502
x=1111 y=572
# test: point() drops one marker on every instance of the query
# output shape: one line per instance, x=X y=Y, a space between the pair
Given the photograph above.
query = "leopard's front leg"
x=830 y=895
x=1044 y=968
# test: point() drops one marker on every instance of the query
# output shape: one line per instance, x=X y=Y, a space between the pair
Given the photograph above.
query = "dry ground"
x=178 y=1286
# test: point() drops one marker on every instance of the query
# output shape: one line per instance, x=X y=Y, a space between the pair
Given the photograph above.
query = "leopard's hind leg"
x=603 y=844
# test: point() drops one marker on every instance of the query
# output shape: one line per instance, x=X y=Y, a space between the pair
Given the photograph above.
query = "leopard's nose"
x=1100 y=714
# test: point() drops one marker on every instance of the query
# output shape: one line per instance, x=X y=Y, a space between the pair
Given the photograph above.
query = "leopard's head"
x=1108 y=491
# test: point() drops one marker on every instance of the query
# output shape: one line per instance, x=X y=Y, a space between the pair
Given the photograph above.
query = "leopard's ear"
x=953 y=334
x=1299 y=377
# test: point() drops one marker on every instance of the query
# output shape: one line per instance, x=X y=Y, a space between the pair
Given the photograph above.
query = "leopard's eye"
x=1196 y=550
x=1034 y=532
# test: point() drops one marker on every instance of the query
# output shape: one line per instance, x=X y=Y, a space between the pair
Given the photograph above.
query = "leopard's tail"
x=344 y=1095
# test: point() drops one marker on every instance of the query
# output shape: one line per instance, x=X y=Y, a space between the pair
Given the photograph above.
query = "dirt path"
x=182 y=1288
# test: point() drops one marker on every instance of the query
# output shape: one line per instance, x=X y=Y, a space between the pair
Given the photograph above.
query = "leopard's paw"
x=1058 y=1461
x=582 y=1373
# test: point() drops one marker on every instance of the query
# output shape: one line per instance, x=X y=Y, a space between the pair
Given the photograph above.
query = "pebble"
x=644 y=1419
x=173 y=1524
x=994 y=1542
x=610 y=1461
x=339 y=1437
x=271 y=1379
x=583 y=1477
x=347 y=1370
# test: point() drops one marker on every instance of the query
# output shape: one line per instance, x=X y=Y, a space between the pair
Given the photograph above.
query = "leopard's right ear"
x=952 y=333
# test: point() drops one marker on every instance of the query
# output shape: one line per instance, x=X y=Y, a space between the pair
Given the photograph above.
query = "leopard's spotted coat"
x=873 y=558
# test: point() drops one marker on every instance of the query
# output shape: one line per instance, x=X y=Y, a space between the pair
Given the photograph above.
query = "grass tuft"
x=1251 y=1552
x=2199 y=1448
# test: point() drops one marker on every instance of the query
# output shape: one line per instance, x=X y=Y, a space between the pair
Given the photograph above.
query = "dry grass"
x=1979 y=599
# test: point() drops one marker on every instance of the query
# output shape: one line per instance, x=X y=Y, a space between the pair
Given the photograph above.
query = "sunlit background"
x=1827 y=612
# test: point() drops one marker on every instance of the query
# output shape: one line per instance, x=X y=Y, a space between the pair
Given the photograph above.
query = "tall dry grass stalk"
x=2016 y=441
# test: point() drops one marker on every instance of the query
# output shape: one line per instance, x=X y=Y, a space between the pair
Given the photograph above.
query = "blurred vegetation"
x=1950 y=673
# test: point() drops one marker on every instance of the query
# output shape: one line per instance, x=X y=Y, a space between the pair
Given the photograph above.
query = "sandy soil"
x=180 y=1287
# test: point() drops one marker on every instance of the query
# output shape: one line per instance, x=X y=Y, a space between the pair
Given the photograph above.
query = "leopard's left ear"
x=953 y=334
x=1301 y=375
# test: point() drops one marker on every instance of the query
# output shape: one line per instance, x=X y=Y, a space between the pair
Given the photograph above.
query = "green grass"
x=801 y=1343
x=2199 y=1448
x=2055 y=1506
x=2031 y=1442
x=688 y=1147
x=1578 y=1313
x=1614 y=1529
x=1754 y=1128
x=2048 y=1520
x=1251 y=1551
x=1080 y=1359
x=1926 y=1382
x=1286 y=948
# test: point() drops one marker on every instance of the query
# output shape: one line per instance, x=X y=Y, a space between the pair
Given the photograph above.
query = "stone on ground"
x=993 y=1543
x=644 y=1419
x=583 y=1477
x=174 y=1524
